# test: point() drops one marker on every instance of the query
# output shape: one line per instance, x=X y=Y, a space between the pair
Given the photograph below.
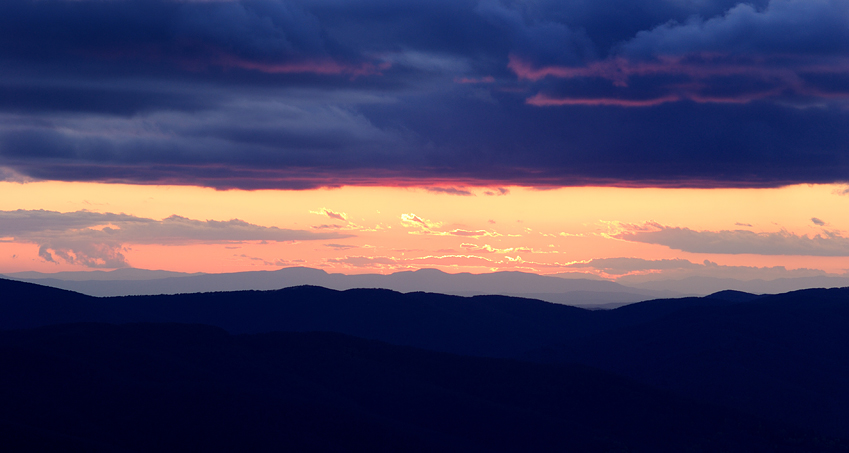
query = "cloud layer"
x=639 y=270
x=98 y=239
x=444 y=94
x=735 y=242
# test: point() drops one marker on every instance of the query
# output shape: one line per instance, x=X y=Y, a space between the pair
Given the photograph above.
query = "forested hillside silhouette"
x=777 y=358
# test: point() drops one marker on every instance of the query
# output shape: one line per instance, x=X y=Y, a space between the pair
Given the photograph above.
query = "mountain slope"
x=782 y=356
x=145 y=387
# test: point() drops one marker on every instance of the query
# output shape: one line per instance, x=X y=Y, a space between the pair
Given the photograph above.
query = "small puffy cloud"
x=332 y=214
x=497 y=191
x=97 y=239
x=486 y=248
x=411 y=220
x=90 y=254
x=469 y=233
x=450 y=191
x=341 y=246
x=735 y=241
x=327 y=227
x=817 y=221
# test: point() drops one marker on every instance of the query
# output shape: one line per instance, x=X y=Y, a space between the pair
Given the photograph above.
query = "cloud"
x=736 y=241
x=497 y=191
x=427 y=227
x=817 y=221
x=452 y=260
x=621 y=266
x=366 y=261
x=790 y=50
x=468 y=233
x=384 y=262
x=449 y=191
x=341 y=246
x=638 y=269
x=486 y=248
x=411 y=220
x=10 y=175
x=89 y=254
x=333 y=215
x=485 y=79
x=454 y=94
x=98 y=239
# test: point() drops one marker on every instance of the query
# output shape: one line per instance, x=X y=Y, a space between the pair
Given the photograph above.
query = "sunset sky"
x=615 y=137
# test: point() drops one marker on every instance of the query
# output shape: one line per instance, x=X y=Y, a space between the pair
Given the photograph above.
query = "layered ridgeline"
x=123 y=282
x=766 y=359
x=568 y=288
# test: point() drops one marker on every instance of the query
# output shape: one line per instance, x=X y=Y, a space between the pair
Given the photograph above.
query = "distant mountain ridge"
x=97 y=275
x=552 y=289
x=709 y=285
x=569 y=289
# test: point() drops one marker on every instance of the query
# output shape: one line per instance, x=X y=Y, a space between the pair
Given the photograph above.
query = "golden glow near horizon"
x=409 y=228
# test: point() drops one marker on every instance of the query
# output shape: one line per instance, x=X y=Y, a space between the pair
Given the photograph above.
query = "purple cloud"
x=267 y=94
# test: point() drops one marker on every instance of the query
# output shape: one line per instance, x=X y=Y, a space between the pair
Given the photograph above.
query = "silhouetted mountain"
x=496 y=326
x=780 y=357
x=552 y=289
x=155 y=387
x=698 y=285
x=734 y=296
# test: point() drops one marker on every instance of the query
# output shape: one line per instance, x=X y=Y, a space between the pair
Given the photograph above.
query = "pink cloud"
x=335 y=215
x=472 y=80
x=782 y=73
x=323 y=66
x=541 y=100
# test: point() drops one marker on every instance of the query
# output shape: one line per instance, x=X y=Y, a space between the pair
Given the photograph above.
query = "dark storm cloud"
x=298 y=94
x=791 y=50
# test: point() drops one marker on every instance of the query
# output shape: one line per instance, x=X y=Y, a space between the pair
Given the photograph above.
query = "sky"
x=609 y=138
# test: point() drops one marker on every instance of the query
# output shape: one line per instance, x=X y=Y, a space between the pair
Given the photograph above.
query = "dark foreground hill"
x=782 y=357
x=493 y=326
x=154 y=387
x=785 y=356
